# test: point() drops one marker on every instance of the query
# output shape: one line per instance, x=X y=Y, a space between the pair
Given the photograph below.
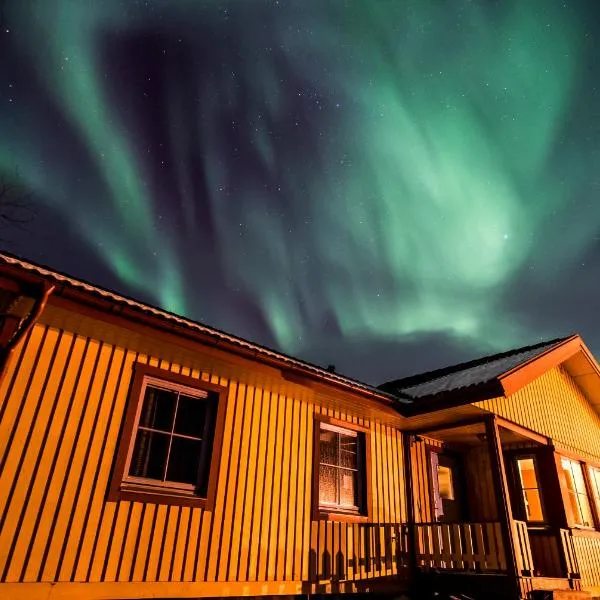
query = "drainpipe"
x=25 y=326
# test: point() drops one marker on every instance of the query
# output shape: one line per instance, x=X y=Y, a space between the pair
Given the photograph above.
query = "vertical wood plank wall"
x=421 y=480
x=553 y=405
x=62 y=405
x=481 y=499
x=587 y=550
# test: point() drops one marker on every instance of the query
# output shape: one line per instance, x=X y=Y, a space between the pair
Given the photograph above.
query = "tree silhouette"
x=16 y=206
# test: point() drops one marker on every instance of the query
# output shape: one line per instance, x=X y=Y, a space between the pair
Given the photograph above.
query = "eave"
x=109 y=303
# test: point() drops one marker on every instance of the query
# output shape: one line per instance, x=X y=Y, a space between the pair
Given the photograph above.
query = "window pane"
x=328 y=484
x=527 y=473
x=575 y=508
x=158 y=409
x=191 y=414
x=329 y=446
x=445 y=484
x=594 y=473
x=578 y=478
x=595 y=479
x=533 y=505
x=184 y=460
x=348 y=451
x=586 y=512
x=566 y=465
x=149 y=455
x=348 y=488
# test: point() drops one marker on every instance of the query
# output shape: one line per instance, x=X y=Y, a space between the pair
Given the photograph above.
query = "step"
x=559 y=595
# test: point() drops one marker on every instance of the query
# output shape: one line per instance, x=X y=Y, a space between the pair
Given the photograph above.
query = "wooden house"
x=143 y=455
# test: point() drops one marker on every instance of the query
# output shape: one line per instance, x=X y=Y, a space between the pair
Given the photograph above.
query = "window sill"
x=153 y=495
x=579 y=531
x=325 y=515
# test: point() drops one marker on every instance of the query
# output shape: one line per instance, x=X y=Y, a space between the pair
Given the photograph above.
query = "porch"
x=478 y=505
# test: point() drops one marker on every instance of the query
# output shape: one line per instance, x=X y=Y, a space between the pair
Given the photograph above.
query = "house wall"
x=62 y=405
x=480 y=485
x=421 y=480
x=555 y=406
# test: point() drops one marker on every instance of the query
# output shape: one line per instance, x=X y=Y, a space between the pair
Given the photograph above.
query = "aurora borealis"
x=389 y=186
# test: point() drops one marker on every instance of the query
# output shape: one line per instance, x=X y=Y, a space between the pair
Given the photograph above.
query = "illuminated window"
x=443 y=484
x=340 y=469
x=578 y=497
x=530 y=489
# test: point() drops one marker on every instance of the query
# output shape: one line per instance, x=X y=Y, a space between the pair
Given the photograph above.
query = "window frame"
x=588 y=493
x=138 y=489
x=332 y=513
x=594 y=488
x=521 y=490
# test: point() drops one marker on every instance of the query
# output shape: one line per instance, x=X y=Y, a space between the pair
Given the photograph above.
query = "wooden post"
x=502 y=500
x=410 y=508
x=561 y=506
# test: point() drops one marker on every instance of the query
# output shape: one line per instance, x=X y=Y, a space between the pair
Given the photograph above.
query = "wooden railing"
x=547 y=553
x=522 y=549
x=569 y=553
x=354 y=551
x=460 y=546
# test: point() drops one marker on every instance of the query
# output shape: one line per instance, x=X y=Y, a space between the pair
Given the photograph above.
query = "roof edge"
x=418 y=378
x=136 y=310
x=449 y=399
x=518 y=377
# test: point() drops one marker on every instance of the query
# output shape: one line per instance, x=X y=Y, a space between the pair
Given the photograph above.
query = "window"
x=341 y=475
x=442 y=478
x=530 y=489
x=167 y=445
x=595 y=482
x=445 y=483
x=578 y=498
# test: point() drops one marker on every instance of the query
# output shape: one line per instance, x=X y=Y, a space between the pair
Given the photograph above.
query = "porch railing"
x=354 y=551
x=522 y=549
x=569 y=553
x=474 y=547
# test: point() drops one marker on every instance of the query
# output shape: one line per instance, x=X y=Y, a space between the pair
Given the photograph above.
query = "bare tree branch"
x=16 y=205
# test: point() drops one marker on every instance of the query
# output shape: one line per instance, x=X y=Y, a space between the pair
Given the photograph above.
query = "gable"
x=555 y=406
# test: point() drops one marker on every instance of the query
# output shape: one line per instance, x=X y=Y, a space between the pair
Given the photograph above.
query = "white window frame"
x=147 y=483
x=577 y=493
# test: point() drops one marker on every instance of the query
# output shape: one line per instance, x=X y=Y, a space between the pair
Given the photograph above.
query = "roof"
x=468 y=375
x=487 y=377
x=226 y=340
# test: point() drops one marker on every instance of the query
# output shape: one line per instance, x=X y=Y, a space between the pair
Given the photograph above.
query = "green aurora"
x=369 y=170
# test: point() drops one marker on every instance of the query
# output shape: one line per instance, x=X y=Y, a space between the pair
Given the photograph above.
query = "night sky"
x=389 y=186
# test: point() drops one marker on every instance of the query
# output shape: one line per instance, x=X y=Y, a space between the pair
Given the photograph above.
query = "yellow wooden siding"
x=62 y=404
x=480 y=485
x=555 y=406
x=421 y=479
x=587 y=550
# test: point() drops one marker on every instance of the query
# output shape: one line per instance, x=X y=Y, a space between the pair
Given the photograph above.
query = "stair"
x=559 y=595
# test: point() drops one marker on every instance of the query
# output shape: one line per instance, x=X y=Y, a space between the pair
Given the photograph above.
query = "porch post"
x=410 y=509
x=502 y=498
